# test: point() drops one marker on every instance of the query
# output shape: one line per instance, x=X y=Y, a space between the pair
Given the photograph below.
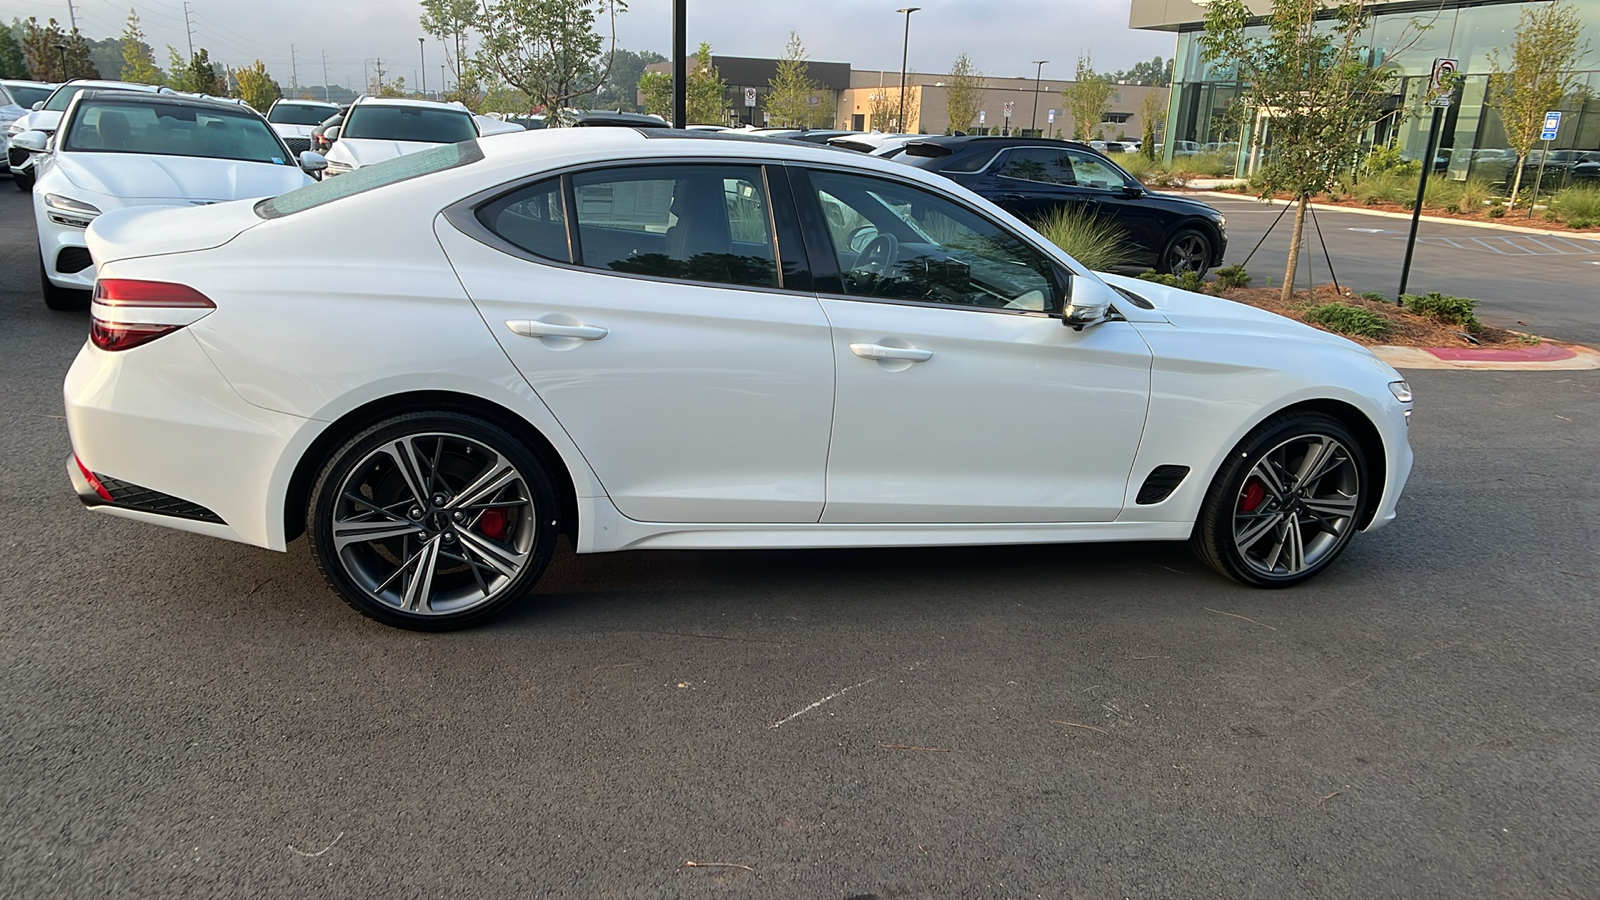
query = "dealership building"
x=1472 y=138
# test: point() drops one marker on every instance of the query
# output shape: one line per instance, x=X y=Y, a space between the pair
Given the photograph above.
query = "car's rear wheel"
x=1188 y=251
x=433 y=521
x=1286 y=502
x=60 y=298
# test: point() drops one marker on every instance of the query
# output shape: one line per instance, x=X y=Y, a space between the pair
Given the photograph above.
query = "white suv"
x=376 y=129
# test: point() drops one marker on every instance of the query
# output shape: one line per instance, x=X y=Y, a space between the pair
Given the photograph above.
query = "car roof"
x=116 y=85
x=405 y=101
x=961 y=141
x=26 y=83
x=167 y=98
x=285 y=101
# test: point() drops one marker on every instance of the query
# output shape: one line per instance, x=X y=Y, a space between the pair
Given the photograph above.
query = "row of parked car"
x=91 y=146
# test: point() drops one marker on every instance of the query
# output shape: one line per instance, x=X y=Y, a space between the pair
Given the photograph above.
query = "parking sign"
x=1009 y=104
x=1052 y=118
x=749 y=96
x=1552 y=124
x=983 y=116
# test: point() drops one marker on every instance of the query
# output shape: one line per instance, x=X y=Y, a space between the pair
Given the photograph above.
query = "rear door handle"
x=879 y=351
x=535 y=329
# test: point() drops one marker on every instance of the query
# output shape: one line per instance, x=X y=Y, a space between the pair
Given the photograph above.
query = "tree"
x=707 y=94
x=655 y=89
x=204 y=77
x=508 y=100
x=179 y=76
x=1544 y=57
x=548 y=49
x=622 y=86
x=54 y=55
x=79 y=65
x=13 y=64
x=884 y=106
x=964 y=93
x=452 y=22
x=1152 y=112
x=138 y=62
x=1154 y=73
x=1317 y=84
x=256 y=87
x=1087 y=98
x=791 y=91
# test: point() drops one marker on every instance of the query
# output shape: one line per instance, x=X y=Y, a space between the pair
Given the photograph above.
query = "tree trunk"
x=1294 y=245
x=1516 y=184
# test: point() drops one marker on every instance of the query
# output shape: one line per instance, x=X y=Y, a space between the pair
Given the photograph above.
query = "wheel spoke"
x=350 y=531
x=1252 y=535
x=419 y=585
x=1270 y=474
x=405 y=459
x=1315 y=458
x=498 y=475
x=506 y=562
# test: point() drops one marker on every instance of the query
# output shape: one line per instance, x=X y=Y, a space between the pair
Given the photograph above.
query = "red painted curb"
x=1538 y=353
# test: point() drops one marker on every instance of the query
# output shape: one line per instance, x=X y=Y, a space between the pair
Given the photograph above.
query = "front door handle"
x=879 y=351
x=536 y=329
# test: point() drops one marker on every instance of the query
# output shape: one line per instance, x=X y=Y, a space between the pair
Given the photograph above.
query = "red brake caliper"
x=492 y=524
x=1254 y=493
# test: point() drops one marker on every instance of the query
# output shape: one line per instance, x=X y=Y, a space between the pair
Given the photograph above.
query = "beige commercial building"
x=1010 y=106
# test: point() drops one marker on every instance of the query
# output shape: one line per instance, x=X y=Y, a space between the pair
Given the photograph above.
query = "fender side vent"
x=72 y=260
x=1161 y=483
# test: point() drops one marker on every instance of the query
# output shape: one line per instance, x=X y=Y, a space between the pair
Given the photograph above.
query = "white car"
x=294 y=121
x=644 y=339
x=18 y=97
x=875 y=143
x=376 y=129
x=118 y=149
x=488 y=125
x=47 y=115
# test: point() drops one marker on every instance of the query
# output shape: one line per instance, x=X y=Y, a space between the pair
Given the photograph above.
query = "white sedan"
x=376 y=129
x=647 y=339
x=118 y=149
x=47 y=116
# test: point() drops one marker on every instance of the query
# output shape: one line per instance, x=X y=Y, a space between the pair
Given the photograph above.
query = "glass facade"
x=1472 y=140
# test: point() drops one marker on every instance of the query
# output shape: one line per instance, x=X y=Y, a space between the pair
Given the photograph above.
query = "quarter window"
x=696 y=223
x=897 y=242
x=532 y=218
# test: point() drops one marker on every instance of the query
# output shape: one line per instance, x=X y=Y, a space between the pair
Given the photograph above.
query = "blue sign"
x=1552 y=124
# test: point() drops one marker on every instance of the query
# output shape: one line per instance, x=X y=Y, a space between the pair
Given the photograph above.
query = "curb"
x=1406 y=217
x=1583 y=358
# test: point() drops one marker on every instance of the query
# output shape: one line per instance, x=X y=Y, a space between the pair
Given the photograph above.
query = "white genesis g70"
x=643 y=338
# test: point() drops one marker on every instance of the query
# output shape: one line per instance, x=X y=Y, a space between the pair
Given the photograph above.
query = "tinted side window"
x=1093 y=172
x=697 y=223
x=973 y=163
x=895 y=241
x=532 y=218
x=1038 y=164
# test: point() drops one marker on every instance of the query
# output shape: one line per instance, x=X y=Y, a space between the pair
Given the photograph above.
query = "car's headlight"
x=1401 y=391
x=67 y=211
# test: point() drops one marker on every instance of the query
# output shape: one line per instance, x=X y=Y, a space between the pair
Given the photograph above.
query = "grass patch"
x=1098 y=243
x=1383 y=187
x=1355 y=321
x=1578 y=206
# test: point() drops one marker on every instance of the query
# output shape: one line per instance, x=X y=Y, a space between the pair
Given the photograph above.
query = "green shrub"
x=1233 y=276
x=1579 y=203
x=1475 y=192
x=1388 y=161
x=1441 y=192
x=1444 y=308
x=1497 y=211
x=1188 y=281
x=1356 y=321
x=1098 y=243
x=1373 y=296
x=1136 y=165
x=1386 y=187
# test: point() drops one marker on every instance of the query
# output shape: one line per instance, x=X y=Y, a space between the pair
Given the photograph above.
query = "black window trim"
x=463 y=215
x=825 y=266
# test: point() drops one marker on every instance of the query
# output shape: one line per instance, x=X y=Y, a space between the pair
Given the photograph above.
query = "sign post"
x=1552 y=124
x=1442 y=86
x=1009 y=105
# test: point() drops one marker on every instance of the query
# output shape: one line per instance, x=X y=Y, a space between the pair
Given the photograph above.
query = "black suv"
x=1031 y=177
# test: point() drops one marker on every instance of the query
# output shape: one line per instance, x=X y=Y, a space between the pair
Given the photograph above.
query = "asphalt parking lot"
x=187 y=717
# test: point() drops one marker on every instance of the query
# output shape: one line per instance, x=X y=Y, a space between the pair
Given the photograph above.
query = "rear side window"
x=973 y=163
x=532 y=218
x=368 y=178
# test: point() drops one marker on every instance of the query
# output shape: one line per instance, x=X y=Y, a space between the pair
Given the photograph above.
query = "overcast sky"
x=1000 y=35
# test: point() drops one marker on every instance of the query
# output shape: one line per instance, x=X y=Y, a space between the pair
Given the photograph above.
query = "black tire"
x=1263 y=525
x=375 y=540
x=1188 y=251
x=23 y=180
x=61 y=299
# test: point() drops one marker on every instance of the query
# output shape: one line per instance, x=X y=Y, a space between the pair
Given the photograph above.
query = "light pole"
x=905 y=50
x=1033 y=123
x=422 y=57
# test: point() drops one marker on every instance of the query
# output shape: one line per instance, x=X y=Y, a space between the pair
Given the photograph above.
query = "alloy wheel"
x=1189 y=253
x=1297 y=506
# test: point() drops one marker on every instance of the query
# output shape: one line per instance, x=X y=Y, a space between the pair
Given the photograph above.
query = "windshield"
x=27 y=95
x=409 y=123
x=301 y=114
x=367 y=178
x=172 y=129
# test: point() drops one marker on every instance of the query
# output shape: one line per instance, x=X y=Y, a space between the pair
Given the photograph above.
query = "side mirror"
x=331 y=135
x=37 y=105
x=1088 y=302
x=313 y=163
x=1132 y=191
x=32 y=141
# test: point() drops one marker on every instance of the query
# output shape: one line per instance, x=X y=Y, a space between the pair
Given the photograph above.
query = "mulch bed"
x=1406 y=329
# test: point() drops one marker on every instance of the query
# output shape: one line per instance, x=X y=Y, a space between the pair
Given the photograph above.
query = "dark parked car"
x=1032 y=177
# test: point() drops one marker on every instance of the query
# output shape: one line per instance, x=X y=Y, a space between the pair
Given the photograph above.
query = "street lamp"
x=423 y=59
x=1033 y=123
x=62 y=50
x=904 y=51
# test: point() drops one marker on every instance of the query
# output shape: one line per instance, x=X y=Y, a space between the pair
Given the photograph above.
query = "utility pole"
x=325 y=95
x=422 y=58
x=294 y=69
x=72 y=15
x=905 y=51
x=1033 y=123
x=188 y=27
x=377 y=68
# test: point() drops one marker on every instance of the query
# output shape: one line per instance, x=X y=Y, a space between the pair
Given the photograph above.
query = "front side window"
x=62 y=98
x=417 y=124
x=696 y=223
x=172 y=129
x=898 y=242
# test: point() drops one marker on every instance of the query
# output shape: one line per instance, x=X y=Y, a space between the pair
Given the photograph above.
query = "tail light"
x=127 y=312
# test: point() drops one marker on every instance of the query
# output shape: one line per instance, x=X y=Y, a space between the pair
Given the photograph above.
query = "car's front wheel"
x=433 y=521
x=59 y=298
x=1188 y=251
x=1286 y=503
x=23 y=180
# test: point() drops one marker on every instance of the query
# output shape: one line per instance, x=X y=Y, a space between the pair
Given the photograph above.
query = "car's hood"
x=1200 y=206
x=154 y=230
x=366 y=151
x=289 y=131
x=137 y=176
x=1202 y=312
x=40 y=120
